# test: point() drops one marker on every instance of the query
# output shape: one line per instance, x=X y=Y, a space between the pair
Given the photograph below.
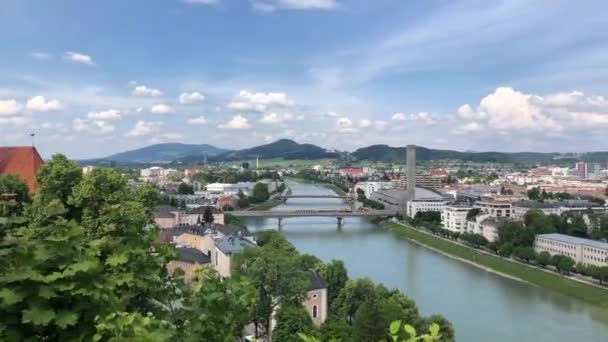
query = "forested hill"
x=284 y=149
x=387 y=153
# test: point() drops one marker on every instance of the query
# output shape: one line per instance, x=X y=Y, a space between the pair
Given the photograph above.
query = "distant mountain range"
x=289 y=149
x=164 y=153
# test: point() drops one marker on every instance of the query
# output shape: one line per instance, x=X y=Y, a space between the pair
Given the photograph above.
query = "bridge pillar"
x=284 y=199
x=339 y=221
x=280 y=223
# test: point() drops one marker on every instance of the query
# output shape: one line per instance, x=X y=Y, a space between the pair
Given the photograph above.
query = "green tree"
x=292 y=319
x=534 y=193
x=566 y=265
x=185 y=189
x=506 y=249
x=399 y=307
x=149 y=196
x=208 y=215
x=243 y=201
x=13 y=190
x=336 y=276
x=369 y=322
x=335 y=329
x=524 y=253
x=354 y=293
x=57 y=178
x=543 y=258
x=260 y=193
x=274 y=268
x=448 y=333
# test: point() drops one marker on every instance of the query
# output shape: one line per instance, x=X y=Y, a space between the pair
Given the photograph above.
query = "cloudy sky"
x=96 y=77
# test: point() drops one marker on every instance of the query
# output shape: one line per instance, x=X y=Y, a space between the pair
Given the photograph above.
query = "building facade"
x=494 y=208
x=454 y=217
x=585 y=251
x=423 y=205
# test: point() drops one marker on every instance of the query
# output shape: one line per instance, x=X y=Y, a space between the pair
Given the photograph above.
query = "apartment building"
x=585 y=251
x=494 y=208
x=454 y=217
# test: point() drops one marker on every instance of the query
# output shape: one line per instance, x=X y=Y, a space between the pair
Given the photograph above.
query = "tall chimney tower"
x=411 y=172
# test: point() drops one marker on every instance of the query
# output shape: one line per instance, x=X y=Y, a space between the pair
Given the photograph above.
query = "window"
x=314 y=311
x=314 y=296
x=215 y=258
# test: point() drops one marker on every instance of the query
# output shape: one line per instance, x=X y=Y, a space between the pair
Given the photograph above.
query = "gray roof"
x=421 y=193
x=232 y=244
x=556 y=204
x=201 y=210
x=164 y=211
x=574 y=240
x=192 y=255
x=316 y=281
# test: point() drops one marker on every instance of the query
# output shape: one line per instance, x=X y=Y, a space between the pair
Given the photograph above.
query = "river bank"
x=590 y=294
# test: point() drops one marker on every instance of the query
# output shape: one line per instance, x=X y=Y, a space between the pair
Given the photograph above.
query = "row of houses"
x=214 y=245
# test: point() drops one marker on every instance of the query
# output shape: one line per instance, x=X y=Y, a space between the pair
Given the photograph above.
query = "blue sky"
x=96 y=77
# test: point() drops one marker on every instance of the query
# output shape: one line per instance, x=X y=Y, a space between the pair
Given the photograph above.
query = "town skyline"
x=468 y=75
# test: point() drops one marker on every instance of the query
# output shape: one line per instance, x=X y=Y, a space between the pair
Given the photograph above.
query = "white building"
x=585 y=251
x=454 y=217
x=424 y=205
x=494 y=208
x=370 y=187
x=519 y=209
x=151 y=172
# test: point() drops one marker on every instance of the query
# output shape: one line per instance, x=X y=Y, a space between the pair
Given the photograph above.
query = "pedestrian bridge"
x=338 y=214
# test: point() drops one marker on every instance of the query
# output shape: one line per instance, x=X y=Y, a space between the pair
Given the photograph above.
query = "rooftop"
x=192 y=255
x=232 y=244
x=557 y=204
x=23 y=162
x=574 y=240
x=316 y=281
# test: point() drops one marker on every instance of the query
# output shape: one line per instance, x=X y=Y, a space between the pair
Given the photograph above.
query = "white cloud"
x=332 y=114
x=272 y=5
x=142 y=90
x=79 y=58
x=197 y=121
x=9 y=107
x=399 y=117
x=161 y=108
x=107 y=115
x=345 y=125
x=15 y=121
x=144 y=128
x=509 y=109
x=40 y=104
x=469 y=128
x=171 y=136
x=258 y=102
x=271 y=118
x=188 y=98
x=93 y=126
x=52 y=125
x=423 y=117
x=364 y=123
x=237 y=122
x=40 y=55
x=201 y=2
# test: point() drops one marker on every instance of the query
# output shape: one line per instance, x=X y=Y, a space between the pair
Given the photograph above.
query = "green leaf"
x=411 y=331
x=394 y=327
x=66 y=318
x=434 y=329
x=117 y=259
x=37 y=316
x=46 y=292
x=10 y=297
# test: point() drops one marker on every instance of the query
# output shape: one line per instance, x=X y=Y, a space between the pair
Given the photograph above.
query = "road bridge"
x=284 y=198
x=338 y=214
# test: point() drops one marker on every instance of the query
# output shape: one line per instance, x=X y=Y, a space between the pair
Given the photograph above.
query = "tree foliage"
x=292 y=319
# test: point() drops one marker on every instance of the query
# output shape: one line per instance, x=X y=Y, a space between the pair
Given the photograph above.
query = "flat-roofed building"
x=519 y=209
x=494 y=208
x=585 y=251
x=454 y=217
x=396 y=199
x=424 y=205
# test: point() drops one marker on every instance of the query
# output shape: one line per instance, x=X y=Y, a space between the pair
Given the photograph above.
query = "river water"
x=482 y=306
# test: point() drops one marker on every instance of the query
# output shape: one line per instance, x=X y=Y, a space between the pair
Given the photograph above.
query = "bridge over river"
x=339 y=214
x=284 y=198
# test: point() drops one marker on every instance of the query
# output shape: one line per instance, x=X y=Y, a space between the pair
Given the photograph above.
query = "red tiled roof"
x=23 y=162
x=351 y=170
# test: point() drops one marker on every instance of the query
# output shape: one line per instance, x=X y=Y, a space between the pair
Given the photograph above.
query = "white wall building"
x=494 y=208
x=424 y=205
x=454 y=217
x=370 y=187
x=585 y=251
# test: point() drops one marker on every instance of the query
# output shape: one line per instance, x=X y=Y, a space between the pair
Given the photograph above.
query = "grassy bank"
x=590 y=294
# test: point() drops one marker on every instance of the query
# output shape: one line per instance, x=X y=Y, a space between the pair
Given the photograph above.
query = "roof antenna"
x=33 y=135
